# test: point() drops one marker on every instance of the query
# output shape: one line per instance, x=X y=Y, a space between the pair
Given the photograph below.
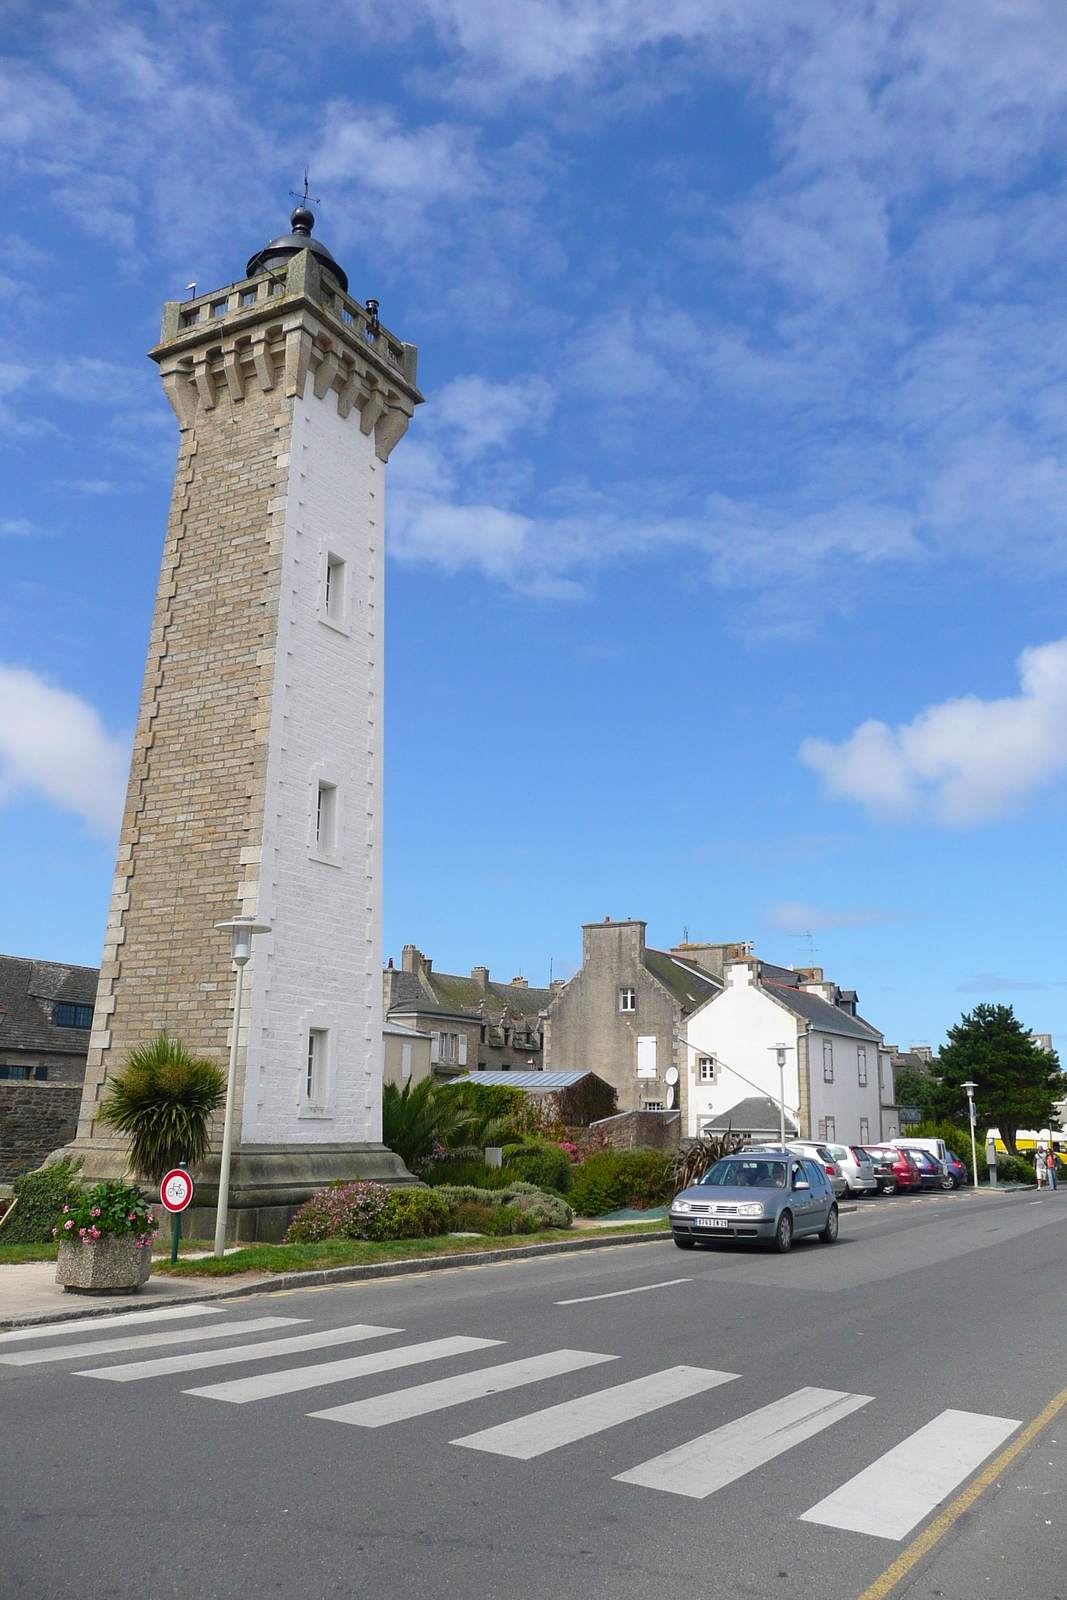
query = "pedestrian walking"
x=1050 y=1168
x=1039 y=1165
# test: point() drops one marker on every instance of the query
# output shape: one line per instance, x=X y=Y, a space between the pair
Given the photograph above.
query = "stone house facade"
x=623 y=1015
x=473 y=1024
x=46 y=1013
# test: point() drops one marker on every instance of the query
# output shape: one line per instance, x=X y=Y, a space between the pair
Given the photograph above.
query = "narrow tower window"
x=334 y=597
x=316 y=1065
x=326 y=819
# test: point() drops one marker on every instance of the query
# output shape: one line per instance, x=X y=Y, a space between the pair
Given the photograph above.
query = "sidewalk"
x=29 y=1293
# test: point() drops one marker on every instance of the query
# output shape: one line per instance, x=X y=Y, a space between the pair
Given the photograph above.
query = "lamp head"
x=242 y=929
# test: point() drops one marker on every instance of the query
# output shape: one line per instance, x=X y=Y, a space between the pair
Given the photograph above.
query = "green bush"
x=612 y=1179
x=471 y=1175
x=470 y=1217
x=41 y=1197
x=542 y=1210
x=413 y=1214
x=164 y=1099
x=108 y=1208
x=958 y=1140
x=545 y=1165
x=1013 y=1169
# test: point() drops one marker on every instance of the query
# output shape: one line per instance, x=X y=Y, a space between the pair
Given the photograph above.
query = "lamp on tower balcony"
x=242 y=929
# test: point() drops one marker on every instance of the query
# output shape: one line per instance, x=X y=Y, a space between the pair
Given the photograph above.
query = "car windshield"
x=747 y=1174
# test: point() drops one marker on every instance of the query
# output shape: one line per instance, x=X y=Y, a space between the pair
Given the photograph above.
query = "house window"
x=828 y=1061
x=653 y=1105
x=646 y=1057
x=865 y=1130
x=219 y=308
x=69 y=1016
x=627 y=999
x=326 y=819
x=248 y=297
x=333 y=589
x=14 y=1071
x=861 y=1057
x=827 y=1129
x=405 y=1061
x=449 y=1049
x=706 y=1067
x=316 y=1065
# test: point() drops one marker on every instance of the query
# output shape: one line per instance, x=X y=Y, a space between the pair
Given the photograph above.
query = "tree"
x=418 y=1118
x=913 y=1088
x=1017 y=1084
x=164 y=1098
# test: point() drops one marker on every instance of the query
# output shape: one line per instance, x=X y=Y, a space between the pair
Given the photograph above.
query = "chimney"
x=480 y=976
x=520 y=982
x=411 y=959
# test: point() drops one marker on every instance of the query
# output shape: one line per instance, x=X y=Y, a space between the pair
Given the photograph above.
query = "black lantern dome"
x=279 y=250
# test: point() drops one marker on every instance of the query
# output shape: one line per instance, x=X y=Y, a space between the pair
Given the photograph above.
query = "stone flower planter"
x=114 y=1262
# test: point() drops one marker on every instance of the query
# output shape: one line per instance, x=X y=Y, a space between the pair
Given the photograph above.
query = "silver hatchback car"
x=774 y=1197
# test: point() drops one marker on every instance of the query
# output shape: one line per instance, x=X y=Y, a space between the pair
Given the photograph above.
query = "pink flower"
x=69 y=1224
x=54 y=1232
x=95 y=1212
x=65 y=1210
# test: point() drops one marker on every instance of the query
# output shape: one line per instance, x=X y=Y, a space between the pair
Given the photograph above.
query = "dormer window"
x=72 y=1016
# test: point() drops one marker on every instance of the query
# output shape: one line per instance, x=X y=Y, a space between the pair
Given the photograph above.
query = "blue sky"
x=727 y=566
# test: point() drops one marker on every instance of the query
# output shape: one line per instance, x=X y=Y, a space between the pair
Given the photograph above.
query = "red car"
x=892 y=1169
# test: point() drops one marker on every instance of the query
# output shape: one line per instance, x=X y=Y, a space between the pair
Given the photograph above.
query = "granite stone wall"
x=35 y=1119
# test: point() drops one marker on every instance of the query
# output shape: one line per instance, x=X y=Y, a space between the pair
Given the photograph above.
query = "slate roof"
x=461 y=996
x=757 y=1114
x=28 y=991
x=689 y=984
x=527 y=1080
x=820 y=1013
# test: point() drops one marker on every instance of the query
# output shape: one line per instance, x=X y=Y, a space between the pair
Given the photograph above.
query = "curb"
x=325 y=1276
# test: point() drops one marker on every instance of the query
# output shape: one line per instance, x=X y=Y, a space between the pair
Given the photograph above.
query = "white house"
x=834 y=1067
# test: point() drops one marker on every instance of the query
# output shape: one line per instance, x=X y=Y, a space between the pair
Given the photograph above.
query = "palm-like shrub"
x=419 y=1118
x=163 y=1099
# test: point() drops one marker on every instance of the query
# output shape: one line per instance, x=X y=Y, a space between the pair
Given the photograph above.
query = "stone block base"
x=101 y=1266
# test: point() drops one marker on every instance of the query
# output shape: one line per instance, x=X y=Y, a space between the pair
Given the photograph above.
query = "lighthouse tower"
x=256 y=780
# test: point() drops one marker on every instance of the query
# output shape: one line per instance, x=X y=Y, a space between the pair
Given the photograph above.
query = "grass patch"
x=358 y=1252
x=15 y=1254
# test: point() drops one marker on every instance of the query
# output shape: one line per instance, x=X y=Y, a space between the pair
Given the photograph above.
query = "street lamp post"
x=242 y=929
x=970 y=1088
x=780 y=1050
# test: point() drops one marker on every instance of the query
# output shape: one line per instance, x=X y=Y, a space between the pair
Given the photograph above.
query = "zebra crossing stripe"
x=290 y=1381
x=60 y=1330
x=145 y=1341
x=541 y=1431
x=702 y=1466
x=893 y=1495
x=190 y=1360
x=381 y=1409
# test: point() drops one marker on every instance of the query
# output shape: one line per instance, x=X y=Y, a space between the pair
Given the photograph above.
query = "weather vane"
x=295 y=194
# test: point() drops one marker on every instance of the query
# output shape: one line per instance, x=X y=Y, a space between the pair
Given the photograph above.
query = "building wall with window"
x=46 y=1017
x=622 y=1016
x=472 y=1024
x=731 y=1050
x=406 y=1054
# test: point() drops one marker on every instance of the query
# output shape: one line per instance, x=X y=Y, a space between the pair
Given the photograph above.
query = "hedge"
x=41 y=1197
x=369 y=1211
x=612 y=1179
x=543 y=1210
x=471 y=1174
x=546 y=1165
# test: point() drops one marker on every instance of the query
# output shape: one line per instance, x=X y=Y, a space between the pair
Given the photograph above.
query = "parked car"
x=773 y=1197
x=935 y=1148
x=892 y=1169
x=956 y=1175
x=821 y=1153
x=930 y=1172
x=856 y=1166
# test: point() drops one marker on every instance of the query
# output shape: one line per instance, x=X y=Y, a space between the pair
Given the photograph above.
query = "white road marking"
x=59 y=1330
x=268 y=1384
x=541 y=1431
x=145 y=1341
x=190 y=1360
x=616 y=1294
x=381 y=1409
x=894 y=1494
x=703 y=1465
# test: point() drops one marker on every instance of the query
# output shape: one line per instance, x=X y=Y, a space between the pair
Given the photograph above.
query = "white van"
x=929 y=1147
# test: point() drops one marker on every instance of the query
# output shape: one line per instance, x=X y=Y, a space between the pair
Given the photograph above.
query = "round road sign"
x=176 y=1190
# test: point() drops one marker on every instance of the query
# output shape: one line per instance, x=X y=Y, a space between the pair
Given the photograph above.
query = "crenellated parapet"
x=280 y=331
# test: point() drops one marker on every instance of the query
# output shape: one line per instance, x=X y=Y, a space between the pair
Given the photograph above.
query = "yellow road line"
x=921 y=1546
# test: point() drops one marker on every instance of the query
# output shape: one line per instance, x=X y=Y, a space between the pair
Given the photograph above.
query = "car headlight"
x=681 y=1205
x=751 y=1208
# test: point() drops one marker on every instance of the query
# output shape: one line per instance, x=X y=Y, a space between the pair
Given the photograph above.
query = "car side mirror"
x=800 y=1184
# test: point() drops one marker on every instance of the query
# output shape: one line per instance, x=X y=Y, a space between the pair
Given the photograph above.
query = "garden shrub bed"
x=547 y=1165
x=470 y=1175
x=369 y=1211
x=613 y=1179
x=540 y=1210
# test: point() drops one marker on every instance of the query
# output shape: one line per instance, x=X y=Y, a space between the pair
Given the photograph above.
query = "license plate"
x=711 y=1222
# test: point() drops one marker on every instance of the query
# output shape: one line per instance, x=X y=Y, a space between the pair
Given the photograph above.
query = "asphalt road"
x=818 y=1367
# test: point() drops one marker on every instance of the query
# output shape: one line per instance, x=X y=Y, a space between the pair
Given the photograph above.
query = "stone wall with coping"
x=35 y=1118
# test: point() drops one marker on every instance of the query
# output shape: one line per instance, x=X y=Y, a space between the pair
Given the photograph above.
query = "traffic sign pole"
x=176 y=1193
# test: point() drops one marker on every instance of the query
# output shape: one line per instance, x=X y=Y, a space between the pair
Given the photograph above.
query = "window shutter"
x=435 y=1047
x=463 y=1049
x=405 y=1061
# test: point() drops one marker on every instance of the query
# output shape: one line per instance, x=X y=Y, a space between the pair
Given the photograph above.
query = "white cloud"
x=963 y=761
x=54 y=745
x=796 y=916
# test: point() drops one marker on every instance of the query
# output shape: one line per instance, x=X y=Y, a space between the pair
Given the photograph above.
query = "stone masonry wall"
x=35 y=1118
x=193 y=817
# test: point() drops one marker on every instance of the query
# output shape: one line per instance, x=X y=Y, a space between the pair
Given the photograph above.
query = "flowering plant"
x=343 y=1211
x=106 y=1208
x=571 y=1149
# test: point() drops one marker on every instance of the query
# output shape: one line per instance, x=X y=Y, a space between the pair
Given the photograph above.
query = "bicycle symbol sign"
x=176 y=1190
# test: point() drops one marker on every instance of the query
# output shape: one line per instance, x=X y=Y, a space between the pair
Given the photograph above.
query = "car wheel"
x=683 y=1243
x=829 y=1233
x=783 y=1234
x=948 y=1183
x=890 y=1186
